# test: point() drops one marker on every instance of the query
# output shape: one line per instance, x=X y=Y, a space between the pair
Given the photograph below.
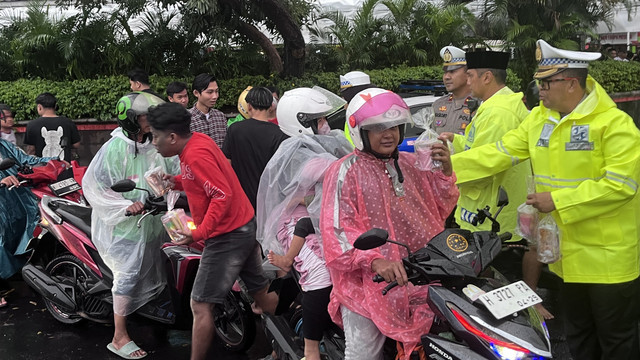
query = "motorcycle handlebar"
x=391 y=285
x=377 y=278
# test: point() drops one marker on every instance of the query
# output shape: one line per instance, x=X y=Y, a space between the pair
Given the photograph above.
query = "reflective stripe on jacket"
x=589 y=161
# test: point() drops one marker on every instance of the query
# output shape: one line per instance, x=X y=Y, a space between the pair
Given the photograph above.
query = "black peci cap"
x=487 y=60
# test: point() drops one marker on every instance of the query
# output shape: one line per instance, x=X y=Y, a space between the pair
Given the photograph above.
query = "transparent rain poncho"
x=294 y=172
x=19 y=213
x=132 y=254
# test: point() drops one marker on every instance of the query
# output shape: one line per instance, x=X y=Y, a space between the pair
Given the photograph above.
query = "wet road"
x=29 y=332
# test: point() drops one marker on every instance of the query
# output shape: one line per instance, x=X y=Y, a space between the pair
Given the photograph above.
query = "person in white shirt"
x=6 y=124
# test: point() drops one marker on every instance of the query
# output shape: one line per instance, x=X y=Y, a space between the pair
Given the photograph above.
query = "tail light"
x=505 y=350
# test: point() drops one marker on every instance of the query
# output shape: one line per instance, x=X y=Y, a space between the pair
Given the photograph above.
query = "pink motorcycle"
x=67 y=271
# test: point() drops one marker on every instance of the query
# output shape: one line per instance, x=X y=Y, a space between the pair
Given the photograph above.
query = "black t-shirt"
x=47 y=133
x=249 y=145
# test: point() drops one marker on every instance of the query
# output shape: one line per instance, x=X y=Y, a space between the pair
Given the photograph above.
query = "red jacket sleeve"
x=218 y=195
x=177 y=181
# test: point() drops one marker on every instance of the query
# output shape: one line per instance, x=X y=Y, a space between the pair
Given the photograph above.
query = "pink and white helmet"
x=375 y=109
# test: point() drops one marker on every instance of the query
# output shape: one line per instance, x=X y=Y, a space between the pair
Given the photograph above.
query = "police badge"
x=447 y=57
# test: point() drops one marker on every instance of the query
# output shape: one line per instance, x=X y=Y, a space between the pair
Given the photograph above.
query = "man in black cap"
x=501 y=111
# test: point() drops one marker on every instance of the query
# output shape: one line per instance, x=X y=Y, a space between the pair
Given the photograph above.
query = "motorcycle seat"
x=77 y=215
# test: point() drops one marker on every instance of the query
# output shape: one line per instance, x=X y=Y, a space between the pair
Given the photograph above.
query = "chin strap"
x=395 y=156
x=394 y=172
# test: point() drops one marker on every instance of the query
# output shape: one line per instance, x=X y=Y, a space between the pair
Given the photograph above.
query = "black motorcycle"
x=479 y=314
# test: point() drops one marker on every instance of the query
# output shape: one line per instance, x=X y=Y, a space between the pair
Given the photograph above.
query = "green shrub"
x=616 y=76
x=96 y=98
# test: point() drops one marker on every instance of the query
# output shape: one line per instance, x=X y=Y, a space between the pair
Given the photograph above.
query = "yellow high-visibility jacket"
x=502 y=112
x=590 y=162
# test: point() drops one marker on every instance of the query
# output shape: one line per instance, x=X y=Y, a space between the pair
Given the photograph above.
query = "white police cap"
x=553 y=60
x=453 y=57
x=354 y=78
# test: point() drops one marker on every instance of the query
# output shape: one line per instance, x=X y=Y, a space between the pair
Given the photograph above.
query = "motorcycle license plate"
x=510 y=299
x=64 y=187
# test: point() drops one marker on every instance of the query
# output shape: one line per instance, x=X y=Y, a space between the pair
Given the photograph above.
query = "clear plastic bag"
x=174 y=219
x=548 y=240
x=527 y=223
x=422 y=147
x=154 y=178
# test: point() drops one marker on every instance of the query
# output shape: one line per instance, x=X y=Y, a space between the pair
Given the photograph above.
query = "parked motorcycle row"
x=478 y=313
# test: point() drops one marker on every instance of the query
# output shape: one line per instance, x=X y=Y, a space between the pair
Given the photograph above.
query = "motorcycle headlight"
x=506 y=353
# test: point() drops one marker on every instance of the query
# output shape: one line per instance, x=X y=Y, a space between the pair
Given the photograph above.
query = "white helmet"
x=299 y=109
x=375 y=109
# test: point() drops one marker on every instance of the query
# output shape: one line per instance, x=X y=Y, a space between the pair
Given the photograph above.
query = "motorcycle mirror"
x=532 y=95
x=7 y=163
x=503 y=198
x=371 y=239
x=125 y=185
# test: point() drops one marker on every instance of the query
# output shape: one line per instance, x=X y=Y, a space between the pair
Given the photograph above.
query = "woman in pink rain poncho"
x=377 y=186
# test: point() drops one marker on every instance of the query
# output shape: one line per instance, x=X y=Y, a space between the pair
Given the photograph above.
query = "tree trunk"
x=252 y=33
x=294 y=46
x=255 y=35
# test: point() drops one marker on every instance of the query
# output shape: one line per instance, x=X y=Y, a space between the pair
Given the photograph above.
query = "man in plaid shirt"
x=204 y=118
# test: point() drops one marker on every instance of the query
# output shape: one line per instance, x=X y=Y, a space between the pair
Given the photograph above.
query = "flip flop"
x=127 y=349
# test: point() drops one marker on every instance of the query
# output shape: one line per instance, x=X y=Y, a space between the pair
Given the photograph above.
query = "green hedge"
x=96 y=98
x=616 y=76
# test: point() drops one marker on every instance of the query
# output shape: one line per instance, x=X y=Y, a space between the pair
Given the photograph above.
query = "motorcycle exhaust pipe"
x=59 y=294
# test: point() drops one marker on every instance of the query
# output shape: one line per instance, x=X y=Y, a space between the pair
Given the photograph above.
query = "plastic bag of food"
x=422 y=147
x=174 y=219
x=548 y=240
x=527 y=223
x=154 y=178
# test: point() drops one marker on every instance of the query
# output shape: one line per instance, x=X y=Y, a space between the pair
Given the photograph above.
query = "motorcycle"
x=67 y=271
x=52 y=178
x=284 y=328
x=479 y=314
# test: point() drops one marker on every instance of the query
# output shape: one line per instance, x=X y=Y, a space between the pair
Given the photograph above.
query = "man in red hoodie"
x=223 y=216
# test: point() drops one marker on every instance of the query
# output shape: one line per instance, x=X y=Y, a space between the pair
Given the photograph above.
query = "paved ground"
x=29 y=332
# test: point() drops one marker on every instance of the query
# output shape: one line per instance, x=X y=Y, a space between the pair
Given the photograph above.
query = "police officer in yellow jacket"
x=585 y=155
x=501 y=111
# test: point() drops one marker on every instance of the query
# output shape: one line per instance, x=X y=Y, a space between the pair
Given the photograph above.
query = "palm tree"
x=34 y=46
x=358 y=41
x=519 y=23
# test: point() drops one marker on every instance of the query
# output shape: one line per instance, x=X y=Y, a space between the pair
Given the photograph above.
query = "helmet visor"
x=142 y=103
x=331 y=104
x=391 y=118
x=381 y=112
